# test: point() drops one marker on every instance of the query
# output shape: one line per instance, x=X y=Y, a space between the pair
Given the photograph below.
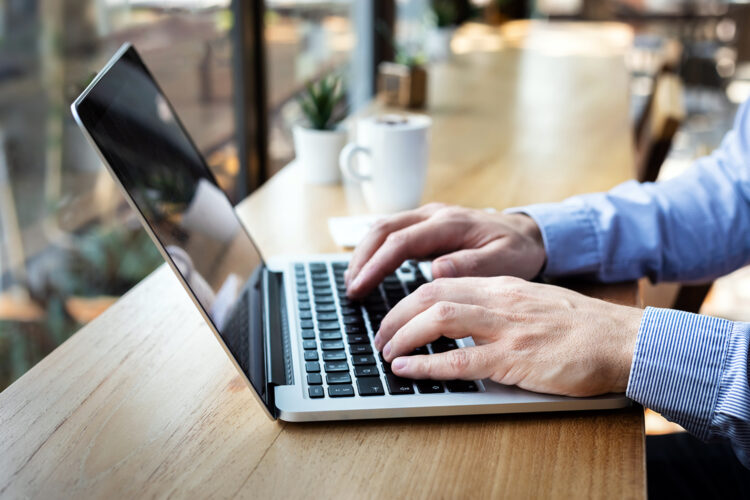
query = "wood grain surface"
x=143 y=403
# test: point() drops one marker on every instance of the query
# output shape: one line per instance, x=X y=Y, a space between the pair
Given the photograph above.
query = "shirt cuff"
x=677 y=366
x=570 y=238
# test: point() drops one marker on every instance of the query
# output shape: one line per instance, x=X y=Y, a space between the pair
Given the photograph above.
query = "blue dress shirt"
x=693 y=369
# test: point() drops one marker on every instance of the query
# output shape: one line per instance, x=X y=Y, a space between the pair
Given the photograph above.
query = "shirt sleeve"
x=693 y=369
x=693 y=227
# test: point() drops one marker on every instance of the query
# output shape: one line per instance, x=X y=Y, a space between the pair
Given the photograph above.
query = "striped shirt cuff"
x=677 y=366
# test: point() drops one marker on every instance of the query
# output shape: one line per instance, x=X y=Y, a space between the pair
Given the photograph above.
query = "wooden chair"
x=654 y=133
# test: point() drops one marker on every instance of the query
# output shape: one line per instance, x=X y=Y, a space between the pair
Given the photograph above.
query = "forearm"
x=693 y=370
x=693 y=227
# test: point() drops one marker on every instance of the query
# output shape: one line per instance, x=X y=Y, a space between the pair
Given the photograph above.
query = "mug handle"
x=345 y=161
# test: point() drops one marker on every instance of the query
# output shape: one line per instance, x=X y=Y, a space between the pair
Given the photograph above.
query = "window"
x=304 y=42
x=70 y=245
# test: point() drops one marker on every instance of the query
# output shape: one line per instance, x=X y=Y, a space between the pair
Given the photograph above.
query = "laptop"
x=304 y=348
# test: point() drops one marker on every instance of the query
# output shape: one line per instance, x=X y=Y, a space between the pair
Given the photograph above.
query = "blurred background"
x=69 y=244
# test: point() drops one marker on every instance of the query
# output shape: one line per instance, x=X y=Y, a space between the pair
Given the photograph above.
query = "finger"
x=418 y=240
x=457 y=290
x=442 y=319
x=468 y=363
x=484 y=261
x=380 y=231
x=376 y=236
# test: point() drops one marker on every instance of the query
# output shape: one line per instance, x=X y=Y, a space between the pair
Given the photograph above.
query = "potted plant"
x=445 y=19
x=318 y=144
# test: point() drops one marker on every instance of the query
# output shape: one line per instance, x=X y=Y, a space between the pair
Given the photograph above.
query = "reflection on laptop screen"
x=144 y=143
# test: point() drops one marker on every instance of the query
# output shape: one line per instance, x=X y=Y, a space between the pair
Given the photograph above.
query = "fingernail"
x=387 y=350
x=346 y=277
x=444 y=269
x=376 y=341
x=399 y=364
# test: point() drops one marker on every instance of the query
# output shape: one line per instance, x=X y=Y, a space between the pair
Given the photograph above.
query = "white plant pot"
x=318 y=153
x=211 y=213
x=439 y=43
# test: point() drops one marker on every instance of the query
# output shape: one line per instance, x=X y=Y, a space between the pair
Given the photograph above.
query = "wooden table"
x=142 y=402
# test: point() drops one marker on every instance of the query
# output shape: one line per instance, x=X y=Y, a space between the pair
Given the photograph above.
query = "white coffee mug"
x=393 y=162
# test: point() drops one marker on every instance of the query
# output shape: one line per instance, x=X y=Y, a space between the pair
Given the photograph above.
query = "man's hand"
x=477 y=243
x=539 y=337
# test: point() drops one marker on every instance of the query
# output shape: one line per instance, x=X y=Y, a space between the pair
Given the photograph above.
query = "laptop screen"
x=151 y=155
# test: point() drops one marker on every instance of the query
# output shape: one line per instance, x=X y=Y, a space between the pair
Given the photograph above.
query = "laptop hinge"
x=278 y=352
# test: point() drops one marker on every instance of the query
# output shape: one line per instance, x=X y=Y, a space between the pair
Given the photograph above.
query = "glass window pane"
x=70 y=245
x=304 y=42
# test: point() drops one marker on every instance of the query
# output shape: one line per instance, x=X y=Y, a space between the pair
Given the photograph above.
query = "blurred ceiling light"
x=725 y=58
x=726 y=29
x=560 y=7
x=738 y=91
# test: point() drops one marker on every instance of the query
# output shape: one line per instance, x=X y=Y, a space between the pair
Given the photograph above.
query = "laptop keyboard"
x=338 y=354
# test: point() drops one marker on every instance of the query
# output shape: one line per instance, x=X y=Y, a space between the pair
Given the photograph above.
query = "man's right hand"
x=469 y=242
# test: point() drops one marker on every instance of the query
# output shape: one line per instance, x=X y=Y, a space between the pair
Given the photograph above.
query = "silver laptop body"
x=285 y=323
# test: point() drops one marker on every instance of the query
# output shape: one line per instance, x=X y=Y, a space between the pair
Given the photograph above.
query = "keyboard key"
x=363 y=360
x=336 y=366
x=314 y=379
x=311 y=355
x=309 y=344
x=429 y=386
x=366 y=371
x=330 y=335
x=355 y=329
x=317 y=266
x=334 y=356
x=329 y=325
x=325 y=308
x=315 y=391
x=346 y=311
x=357 y=339
x=360 y=349
x=398 y=385
x=370 y=386
x=419 y=350
x=331 y=345
x=328 y=316
x=353 y=320
x=306 y=324
x=323 y=300
x=461 y=386
x=340 y=391
x=304 y=306
x=338 y=378
x=312 y=367
x=442 y=346
x=308 y=334
x=305 y=315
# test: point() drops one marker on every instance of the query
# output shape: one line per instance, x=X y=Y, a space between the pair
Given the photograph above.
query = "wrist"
x=528 y=229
